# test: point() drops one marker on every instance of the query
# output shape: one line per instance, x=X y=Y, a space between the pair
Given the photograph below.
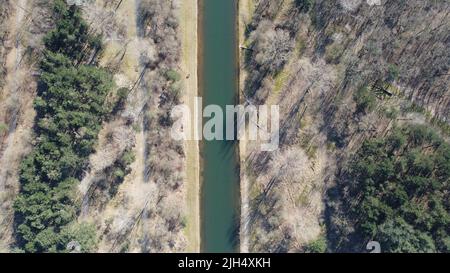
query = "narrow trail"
x=189 y=66
x=141 y=94
x=244 y=16
x=11 y=152
x=13 y=83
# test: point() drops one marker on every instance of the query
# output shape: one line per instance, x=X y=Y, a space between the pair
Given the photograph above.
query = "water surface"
x=218 y=84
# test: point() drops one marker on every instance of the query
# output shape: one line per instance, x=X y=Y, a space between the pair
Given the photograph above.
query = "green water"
x=220 y=188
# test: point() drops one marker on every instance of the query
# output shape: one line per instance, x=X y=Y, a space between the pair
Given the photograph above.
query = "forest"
x=396 y=191
x=363 y=96
x=70 y=106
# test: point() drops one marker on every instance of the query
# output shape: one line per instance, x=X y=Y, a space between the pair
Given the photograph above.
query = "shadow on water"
x=220 y=173
x=233 y=232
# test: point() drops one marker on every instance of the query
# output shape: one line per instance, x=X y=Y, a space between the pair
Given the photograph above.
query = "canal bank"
x=189 y=66
x=218 y=85
x=245 y=14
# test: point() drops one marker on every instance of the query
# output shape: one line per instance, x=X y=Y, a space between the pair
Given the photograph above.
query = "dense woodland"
x=395 y=190
x=70 y=105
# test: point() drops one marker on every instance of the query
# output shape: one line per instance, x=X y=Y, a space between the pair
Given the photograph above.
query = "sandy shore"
x=188 y=30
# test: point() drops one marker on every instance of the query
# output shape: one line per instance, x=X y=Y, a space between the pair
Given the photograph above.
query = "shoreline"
x=243 y=12
x=238 y=155
x=200 y=93
x=189 y=66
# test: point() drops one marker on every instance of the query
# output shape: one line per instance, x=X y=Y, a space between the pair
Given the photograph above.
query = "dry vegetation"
x=145 y=212
x=164 y=156
x=5 y=11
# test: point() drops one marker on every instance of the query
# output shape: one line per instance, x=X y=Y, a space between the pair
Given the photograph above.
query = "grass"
x=311 y=152
x=307 y=144
x=250 y=8
x=129 y=62
x=333 y=53
x=300 y=46
x=331 y=146
x=302 y=198
x=3 y=128
x=280 y=80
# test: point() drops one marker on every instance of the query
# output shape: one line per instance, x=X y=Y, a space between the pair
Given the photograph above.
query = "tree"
x=82 y=235
x=71 y=35
x=395 y=194
x=365 y=100
x=395 y=235
x=304 y=5
x=317 y=246
x=70 y=106
x=393 y=72
x=272 y=47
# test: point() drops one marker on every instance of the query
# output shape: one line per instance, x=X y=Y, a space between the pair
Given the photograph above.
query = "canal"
x=218 y=85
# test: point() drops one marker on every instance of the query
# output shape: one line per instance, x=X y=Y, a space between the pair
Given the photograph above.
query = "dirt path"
x=188 y=25
x=13 y=80
x=245 y=14
x=19 y=130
